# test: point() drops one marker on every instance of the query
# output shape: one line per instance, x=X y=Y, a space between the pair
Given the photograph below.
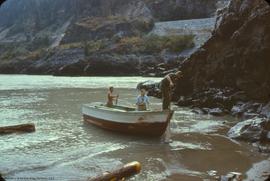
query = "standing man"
x=166 y=85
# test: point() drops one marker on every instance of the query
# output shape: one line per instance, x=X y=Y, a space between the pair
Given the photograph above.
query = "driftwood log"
x=122 y=173
x=22 y=128
x=1 y=178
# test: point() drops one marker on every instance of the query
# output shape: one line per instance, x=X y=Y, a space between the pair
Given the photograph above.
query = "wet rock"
x=232 y=176
x=256 y=129
x=237 y=110
x=185 y=101
x=245 y=109
x=217 y=112
x=147 y=85
x=152 y=88
x=197 y=110
x=213 y=98
x=248 y=115
x=205 y=110
x=239 y=96
x=266 y=110
x=259 y=171
x=262 y=148
x=212 y=172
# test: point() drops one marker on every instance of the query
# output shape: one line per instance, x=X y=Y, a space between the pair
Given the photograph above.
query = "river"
x=65 y=148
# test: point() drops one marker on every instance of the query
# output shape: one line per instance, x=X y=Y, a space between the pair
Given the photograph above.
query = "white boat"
x=126 y=119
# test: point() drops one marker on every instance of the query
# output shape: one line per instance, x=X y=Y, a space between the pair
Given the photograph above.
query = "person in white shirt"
x=142 y=101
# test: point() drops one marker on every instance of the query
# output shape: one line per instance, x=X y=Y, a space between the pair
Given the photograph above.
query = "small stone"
x=232 y=176
x=217 y=112
x=212 y=172
x=266 y=110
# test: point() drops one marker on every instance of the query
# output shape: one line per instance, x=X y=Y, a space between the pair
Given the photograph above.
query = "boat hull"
x=127 y=120
x=140 y=129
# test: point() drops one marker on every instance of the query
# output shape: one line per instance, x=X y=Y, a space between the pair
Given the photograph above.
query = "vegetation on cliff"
x=144 y=45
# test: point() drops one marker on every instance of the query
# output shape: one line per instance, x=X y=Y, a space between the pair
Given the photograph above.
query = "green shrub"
x=179 y=43
x=93 y=46
x=71 y=45
x=131 y=44
x=13 y=51
x=37 y=54
x=155 y=44
x=174 y=43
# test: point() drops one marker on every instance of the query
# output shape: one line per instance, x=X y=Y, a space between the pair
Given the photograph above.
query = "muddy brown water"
x=65 y=148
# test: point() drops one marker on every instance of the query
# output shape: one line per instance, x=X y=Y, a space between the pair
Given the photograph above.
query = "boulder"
x=185 y=101
x=245 y=109
x=217 y=112
x=152 y=88
x=255 y=129
x=239 y=96
x=265 y=111
x=248 y=115
x=232 y=176
x=197 y=110
x=227 y=58
x=212 y=98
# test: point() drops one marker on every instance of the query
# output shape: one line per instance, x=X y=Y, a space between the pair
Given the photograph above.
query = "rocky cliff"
x=236 y=56
x=68 y=37
x=40 y=18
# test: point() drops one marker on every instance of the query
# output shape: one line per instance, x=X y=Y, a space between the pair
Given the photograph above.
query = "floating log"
x=122 y=173
x=22 y=128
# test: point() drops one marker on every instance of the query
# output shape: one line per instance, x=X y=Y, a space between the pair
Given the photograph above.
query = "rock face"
x=152 y=87
x=106 y=27
x=265 y=111
x=256 y=129
x=236 y=56
x=165 y=10
x=202 y=29
x=48 y=25
x=230 y=73
x=41 y=17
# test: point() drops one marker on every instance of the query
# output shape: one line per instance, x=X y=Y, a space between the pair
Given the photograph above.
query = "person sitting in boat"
x=142 y=101
x=111 y=97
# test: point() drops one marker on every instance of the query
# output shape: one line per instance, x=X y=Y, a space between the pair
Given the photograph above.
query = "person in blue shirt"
x=142 y=101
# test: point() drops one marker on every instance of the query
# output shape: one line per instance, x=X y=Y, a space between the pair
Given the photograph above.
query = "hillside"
x=67 y=37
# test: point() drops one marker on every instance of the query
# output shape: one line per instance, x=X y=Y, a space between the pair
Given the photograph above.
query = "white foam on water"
x=15 y=82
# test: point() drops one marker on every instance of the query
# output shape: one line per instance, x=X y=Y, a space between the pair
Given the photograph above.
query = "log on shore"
x=22 y=128
x=1 y=177
x=122 y=173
